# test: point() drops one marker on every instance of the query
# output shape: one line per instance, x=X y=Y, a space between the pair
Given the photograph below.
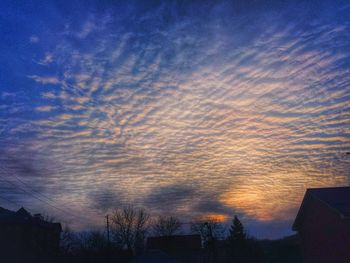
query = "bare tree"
x=129 y=226
x=94 y=241
x=69 y=242
x=209 y=230
x=166 y=226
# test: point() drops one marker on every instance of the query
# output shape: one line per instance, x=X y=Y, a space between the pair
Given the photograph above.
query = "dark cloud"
x=170 y=198
x=185 y=200
x=105 y=199
x=211 y=205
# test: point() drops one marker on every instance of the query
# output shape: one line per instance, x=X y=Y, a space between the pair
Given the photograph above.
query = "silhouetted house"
x=185 y=248
x=323 y=223
x=154 y=256
x=24 y=236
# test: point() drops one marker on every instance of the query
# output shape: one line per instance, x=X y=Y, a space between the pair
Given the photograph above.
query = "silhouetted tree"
x=166 y=226
x=95 y=241
x=237 y=241
x=89 y=247
x=129 y=226
x=237 y=232
x=240 y=247
x=211 y=231
x=69 y=242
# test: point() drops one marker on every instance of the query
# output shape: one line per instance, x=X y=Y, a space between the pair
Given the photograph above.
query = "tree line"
x=129 y=227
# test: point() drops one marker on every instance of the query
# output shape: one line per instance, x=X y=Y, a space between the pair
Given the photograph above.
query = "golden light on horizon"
x=214 y=217
x=274 y=199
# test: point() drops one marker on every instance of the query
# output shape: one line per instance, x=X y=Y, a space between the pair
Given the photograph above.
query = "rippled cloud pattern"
x=193 y=109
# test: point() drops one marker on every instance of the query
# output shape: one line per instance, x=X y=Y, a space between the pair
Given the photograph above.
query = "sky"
x=189 y=108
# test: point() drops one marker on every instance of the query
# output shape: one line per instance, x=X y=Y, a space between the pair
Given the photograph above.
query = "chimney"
x=38 y=217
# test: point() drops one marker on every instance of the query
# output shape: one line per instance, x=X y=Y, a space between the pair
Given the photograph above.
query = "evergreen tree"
x=237 y=232
x=241 y=248
x=237 y=242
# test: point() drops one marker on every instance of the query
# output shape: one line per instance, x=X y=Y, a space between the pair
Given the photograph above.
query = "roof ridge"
x=333 y=187
x=328 y=196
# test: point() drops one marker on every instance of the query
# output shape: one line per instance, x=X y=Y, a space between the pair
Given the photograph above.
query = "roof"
x=5 y=212
x=174 y=242
x=23 y=217
x=336 y=198
x=154 y=256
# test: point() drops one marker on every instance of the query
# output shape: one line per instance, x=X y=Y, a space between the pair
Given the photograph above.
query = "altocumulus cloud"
x=195 y=109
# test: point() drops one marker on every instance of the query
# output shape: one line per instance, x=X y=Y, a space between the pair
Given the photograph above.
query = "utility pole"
x=107 y=226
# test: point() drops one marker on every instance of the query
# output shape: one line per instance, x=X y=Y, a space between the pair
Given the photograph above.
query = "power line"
x=11 y=201
x=44 y=201
x=38 y=193
x=31 y=194
x=40 y=197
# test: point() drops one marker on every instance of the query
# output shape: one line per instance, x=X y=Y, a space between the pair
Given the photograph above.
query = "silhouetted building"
x=155 y=256
x=26 y=236
x=323 y=223
x=185 y=248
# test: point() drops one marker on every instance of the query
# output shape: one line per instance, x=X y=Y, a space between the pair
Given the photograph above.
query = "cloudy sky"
x=190 y=108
